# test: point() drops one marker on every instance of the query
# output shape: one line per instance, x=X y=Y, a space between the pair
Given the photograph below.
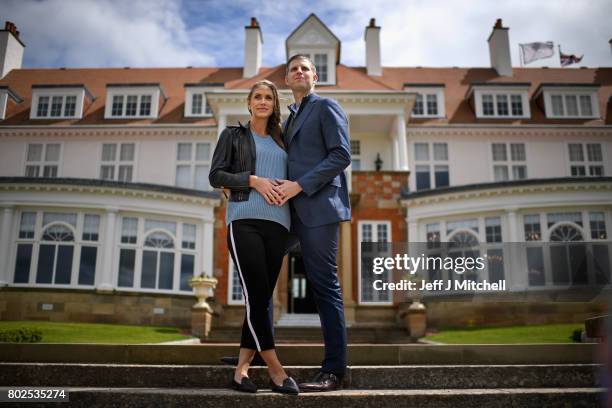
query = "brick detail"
x=376 y=197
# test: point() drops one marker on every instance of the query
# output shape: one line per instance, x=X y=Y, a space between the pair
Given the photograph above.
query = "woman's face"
x=262 y=102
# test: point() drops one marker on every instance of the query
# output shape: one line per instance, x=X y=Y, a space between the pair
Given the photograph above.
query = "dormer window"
x=314 y=39
x=320 y=59
x=196 y=103
x=569 y=101
x=133 y=101
x=500 y=101
x=59 y=101
x=429 y=101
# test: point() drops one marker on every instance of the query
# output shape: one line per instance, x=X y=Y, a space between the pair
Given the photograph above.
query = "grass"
x=551 y=333
x=55 y=332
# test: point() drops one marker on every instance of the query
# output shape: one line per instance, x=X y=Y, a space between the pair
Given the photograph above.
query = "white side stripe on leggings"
x=244 y=287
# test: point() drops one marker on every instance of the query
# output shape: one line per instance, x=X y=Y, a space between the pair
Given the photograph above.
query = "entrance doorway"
x=300 y=296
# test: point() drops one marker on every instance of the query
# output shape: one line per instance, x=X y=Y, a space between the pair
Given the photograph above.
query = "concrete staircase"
x=378 y=375
x=309 y=331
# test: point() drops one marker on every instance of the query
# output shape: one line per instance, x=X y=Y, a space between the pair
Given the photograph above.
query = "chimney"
x=372 y=40
x=11 y=49
x=252 y=49
x=499 y=49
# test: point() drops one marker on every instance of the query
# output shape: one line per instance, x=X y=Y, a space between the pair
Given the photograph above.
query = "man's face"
x=300 y=76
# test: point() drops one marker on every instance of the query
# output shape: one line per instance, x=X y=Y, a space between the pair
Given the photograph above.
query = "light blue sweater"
x=270 y=162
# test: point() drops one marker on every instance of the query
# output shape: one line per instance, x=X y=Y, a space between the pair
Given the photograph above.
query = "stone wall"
x=92 y=307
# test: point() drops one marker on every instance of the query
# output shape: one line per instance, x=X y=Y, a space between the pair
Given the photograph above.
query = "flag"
x=536 y=50
x=569 y=59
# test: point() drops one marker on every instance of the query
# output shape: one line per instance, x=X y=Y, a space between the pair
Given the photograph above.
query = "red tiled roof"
x=172 y=80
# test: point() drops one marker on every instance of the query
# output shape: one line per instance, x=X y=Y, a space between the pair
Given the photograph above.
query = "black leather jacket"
x=233 y=162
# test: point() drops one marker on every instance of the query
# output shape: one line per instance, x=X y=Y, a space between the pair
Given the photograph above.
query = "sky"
x=205 y=33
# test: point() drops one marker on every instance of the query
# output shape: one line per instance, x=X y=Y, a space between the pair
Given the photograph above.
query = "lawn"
x=54 y=332
x=551 y=333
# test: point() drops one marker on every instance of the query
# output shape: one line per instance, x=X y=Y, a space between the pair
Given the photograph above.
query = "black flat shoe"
x=246 y=385
x=289 y=387
x=322 y=382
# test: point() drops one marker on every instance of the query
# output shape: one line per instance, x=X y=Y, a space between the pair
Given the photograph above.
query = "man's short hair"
x=303 y=57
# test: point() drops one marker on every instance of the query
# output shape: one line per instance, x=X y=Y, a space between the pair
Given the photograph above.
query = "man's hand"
x=287 y=189
x=266 y=187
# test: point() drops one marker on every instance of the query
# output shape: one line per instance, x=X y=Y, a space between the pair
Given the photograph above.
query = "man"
x=317 y=142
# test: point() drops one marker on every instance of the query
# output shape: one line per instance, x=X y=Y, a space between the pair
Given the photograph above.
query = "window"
x=235 y=295
x=373 y=231
x=356 y=154
x=531 y=224
x=132 y=101
x=193 y=165
x=320 y=61
x=509 y=161
x=429 y=108
x=55 y=106
x=502 y=105
x=597 y=223
x=429 y=101
x=47 y=257
x=431 y=170
x=42 y=160
x=591 y=164
x=493 y=229
x=131 y=105
x=163 y=259
x=117 y=162
x=570 y=104
x=199 y=105
x=432 y=232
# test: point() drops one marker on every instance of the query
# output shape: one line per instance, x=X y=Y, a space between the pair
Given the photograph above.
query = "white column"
x=221 y=124
x=396 y=165
x=400 y=129
x=105 y=283
x=207 y=247
x=6 y=226
x=514 y=270
x=413 y=231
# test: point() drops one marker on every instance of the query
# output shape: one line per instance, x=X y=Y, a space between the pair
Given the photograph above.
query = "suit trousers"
x=319 y=247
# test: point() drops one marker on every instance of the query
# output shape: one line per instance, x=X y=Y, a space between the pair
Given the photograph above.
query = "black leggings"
x=257 y=248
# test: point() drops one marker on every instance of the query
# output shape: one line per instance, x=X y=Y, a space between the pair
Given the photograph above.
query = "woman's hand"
x=265 y=187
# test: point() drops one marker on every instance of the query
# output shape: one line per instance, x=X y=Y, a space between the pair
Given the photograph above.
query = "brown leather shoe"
x=322 y=382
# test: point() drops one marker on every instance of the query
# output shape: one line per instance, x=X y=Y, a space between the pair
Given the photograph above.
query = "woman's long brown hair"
x=274 y=121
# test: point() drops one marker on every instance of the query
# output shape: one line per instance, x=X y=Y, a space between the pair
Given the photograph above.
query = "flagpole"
x=520 y=55
x=559 y=46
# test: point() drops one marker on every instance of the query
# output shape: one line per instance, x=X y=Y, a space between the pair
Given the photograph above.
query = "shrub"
x=20 y=335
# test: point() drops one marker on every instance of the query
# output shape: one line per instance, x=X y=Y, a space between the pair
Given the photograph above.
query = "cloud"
x=434 y=33
x=88 y=33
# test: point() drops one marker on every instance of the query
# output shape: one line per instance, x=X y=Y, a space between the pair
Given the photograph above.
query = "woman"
x=247 y=161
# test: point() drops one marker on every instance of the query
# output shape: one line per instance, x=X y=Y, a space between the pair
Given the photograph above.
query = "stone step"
x=284 y=334
x=358 y=377
x=490 y=398
x=303 y=354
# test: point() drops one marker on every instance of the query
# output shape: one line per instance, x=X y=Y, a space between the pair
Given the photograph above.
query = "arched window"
x=463 y=239
x=55 y=255
x=568 y=261
x=565 y=233
x=158 y=261
x=464 y=244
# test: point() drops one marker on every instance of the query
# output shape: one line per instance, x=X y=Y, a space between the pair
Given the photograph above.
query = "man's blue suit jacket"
x=318 y=151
